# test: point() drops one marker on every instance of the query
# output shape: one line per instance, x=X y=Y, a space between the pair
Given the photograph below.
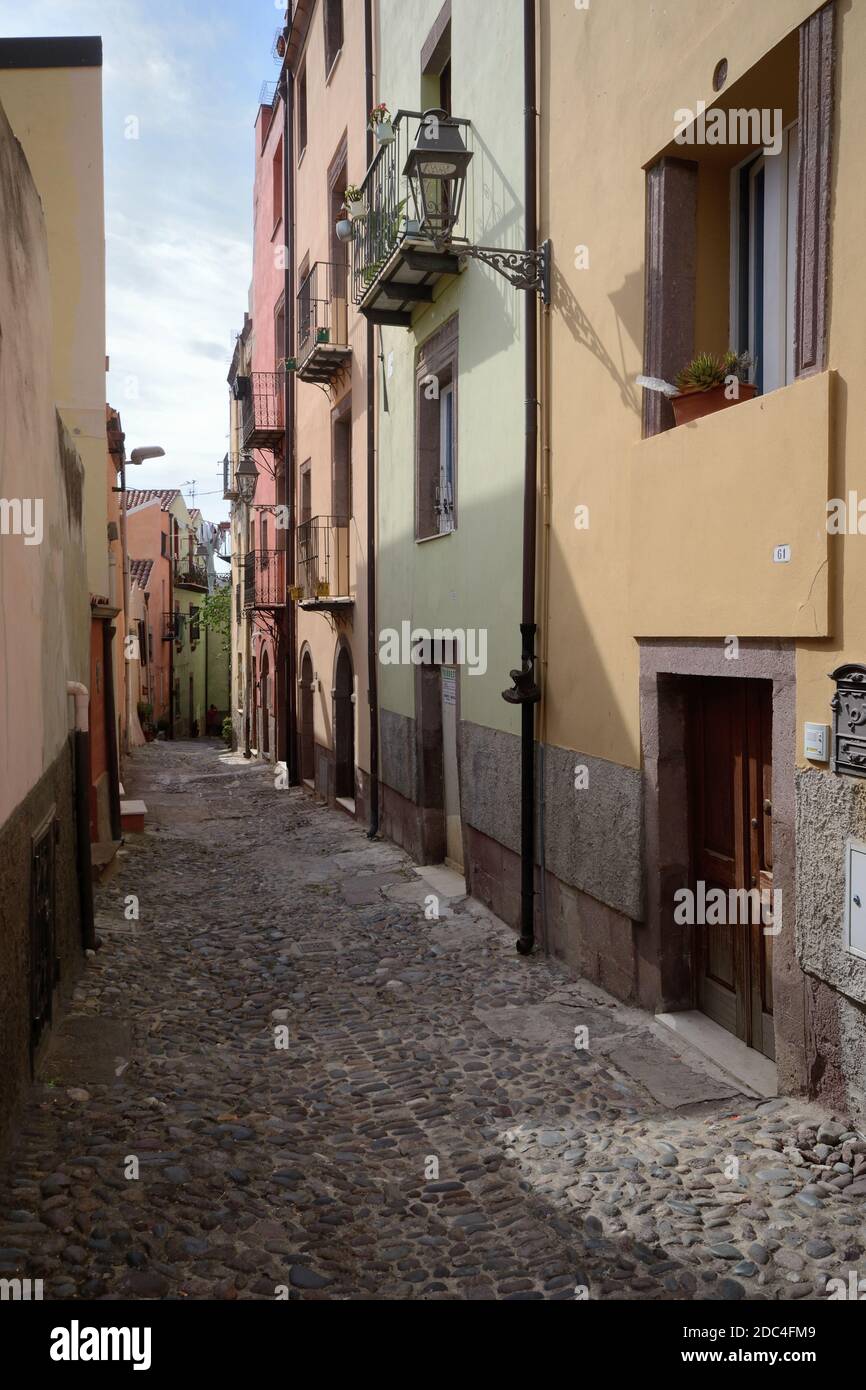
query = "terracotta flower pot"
x=694 y=405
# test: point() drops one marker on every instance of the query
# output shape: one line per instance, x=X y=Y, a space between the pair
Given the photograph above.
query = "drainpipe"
x=81 y=695
x=525 y=681
x=171 y=611
x=372 y=645
x=292 y=751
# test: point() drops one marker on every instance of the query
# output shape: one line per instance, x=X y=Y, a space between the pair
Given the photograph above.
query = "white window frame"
x=776 y=366
x=446 y=459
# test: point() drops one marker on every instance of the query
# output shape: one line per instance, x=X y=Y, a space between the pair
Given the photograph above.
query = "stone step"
x=132 y=814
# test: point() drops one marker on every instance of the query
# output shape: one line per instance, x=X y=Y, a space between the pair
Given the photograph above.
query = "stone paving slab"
x=322 y=1100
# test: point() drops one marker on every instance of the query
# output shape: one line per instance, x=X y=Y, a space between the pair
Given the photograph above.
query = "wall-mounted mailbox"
x=855 y=902
x=849 y=720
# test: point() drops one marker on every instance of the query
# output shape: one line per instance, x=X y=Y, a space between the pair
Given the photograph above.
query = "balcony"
x=190 y=574
x=230 y=463
x=172 y=627
x=262 y=417
x=323 y=565
x=395 y=262
x=323 y=323
x=728 y=531
x=264 y=580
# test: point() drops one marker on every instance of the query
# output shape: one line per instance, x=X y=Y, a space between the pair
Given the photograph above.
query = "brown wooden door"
x=730 y=791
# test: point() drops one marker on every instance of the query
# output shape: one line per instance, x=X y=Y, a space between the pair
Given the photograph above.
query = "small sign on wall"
x=782 y=555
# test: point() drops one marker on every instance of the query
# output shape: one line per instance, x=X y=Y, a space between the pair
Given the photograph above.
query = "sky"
x=178 y=211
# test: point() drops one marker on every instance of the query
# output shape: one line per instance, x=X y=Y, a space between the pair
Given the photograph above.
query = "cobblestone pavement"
x=428 y=1131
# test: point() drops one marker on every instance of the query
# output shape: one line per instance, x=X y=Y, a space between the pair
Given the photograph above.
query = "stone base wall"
x=831 y=810
x=53 y=791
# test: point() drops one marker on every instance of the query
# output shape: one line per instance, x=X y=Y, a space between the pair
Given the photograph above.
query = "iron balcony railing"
x=261 y=398
x=268 y=93
x=323 y=559
x=323 y=309
x=190 y=574
x=265 y=579
x=172 y=627
x=230 y=467
x=391 y=214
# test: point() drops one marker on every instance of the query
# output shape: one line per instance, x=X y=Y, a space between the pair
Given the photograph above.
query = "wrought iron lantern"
x=247 y=479
x=436 y=170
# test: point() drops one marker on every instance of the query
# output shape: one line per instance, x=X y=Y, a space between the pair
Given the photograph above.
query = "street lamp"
x=436 y=170
x=247 y=479
x=138 y=456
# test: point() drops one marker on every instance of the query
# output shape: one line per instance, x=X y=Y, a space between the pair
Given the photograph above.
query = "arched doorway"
x=266 y=706
x=344 y=726
x=308 y=747
x=254 y=711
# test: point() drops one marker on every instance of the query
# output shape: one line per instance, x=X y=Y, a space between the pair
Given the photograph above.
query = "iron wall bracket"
x=525 y=270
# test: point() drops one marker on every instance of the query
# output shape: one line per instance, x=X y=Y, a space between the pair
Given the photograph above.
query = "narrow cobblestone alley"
x=414 y=1048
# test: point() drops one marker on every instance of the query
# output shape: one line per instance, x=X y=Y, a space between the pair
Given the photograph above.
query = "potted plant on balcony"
x=323 y=589
x=296 y=593
x=355 y=204
x=711 y=383
x=345 y=230
x=380 y=122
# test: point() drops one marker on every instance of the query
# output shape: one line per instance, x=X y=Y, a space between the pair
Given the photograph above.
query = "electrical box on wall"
x=855 y=898
x=816 y=743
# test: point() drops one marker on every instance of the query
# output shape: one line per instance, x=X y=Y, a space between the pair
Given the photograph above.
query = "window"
x=302 y=113
x=163 y=545
x=436 y=435
x=446 y=459
x=341 y=475
x=333 y=32
x=436 y=63
x=306 y=494
x=280 y=344
x=764 y=261
x=277 y=183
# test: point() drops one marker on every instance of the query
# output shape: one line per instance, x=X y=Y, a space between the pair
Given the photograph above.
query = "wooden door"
x=344 y=727
x=308 y=745
x=730 y=793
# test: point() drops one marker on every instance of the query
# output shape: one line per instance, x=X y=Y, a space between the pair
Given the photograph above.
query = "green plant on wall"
x=216 y=614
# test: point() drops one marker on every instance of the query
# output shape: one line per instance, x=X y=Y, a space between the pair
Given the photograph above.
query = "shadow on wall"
x=567 y=308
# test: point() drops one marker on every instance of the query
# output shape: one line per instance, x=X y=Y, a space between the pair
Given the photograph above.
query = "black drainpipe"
x=525 y=691
x=372 y=645
x=292 y=750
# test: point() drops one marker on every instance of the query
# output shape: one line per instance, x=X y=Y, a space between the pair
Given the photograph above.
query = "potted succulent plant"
x=707 y=384
x=380 y=122
x=355 y=204
x=711 y=383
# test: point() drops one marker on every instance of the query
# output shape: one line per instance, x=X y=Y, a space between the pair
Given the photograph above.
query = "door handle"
x=856 y=900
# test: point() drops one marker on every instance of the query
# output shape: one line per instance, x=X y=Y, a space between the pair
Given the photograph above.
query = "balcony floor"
x=407 y=280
